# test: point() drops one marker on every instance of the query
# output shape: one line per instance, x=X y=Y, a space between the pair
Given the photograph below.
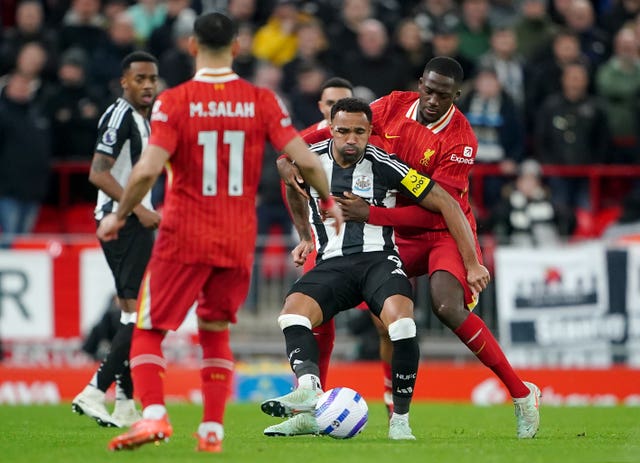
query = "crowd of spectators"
x=554 y=80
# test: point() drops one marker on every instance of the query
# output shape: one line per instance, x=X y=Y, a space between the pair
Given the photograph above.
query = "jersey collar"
x=437 y=126
x=215 y=75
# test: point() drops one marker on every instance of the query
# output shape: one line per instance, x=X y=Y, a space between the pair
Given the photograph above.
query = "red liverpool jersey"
x=316 y=132
x=444 y=150
x=215 y=128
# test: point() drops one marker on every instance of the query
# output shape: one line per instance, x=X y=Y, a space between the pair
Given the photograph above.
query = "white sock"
x=154 y=412
x=309 y=381
x=211 y=426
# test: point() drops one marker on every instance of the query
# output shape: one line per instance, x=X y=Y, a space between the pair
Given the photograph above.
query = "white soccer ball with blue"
x=341 y=413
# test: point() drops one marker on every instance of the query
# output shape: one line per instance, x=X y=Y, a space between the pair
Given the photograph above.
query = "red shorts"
x=428 y=253
x=170 y=288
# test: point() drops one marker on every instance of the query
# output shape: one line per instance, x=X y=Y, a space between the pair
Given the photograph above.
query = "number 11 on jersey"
x=209 y=141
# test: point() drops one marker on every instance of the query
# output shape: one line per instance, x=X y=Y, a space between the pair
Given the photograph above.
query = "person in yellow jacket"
x=277 y=40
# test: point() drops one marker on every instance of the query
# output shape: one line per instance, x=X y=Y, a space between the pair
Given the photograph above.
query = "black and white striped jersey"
x=377 y=177
x=122 y=134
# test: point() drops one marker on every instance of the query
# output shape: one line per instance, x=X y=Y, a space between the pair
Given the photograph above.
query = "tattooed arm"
x=100 y=176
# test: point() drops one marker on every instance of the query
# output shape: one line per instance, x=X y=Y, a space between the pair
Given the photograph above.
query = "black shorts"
x=128 y=256
x=341 y=283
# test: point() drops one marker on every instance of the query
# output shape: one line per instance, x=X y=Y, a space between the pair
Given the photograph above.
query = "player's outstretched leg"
x=528 y=413
x=450 y=301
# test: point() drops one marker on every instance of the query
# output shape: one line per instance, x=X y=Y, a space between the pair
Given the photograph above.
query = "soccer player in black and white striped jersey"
x=123 y=132
x=360 y=262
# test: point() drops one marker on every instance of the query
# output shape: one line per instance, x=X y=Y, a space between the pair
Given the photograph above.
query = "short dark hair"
x=215 y=30
x=351 y=105
x=135 y=57
x=446 y=66
x=338 y=82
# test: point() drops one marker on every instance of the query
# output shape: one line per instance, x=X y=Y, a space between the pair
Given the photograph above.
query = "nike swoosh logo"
x=386 y=135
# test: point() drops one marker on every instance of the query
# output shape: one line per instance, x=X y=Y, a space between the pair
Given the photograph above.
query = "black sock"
x=116 y=363
x=404 y=369
x=302 y=350
x=125 y=382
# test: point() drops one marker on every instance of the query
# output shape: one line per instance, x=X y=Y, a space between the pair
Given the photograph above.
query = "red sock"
x=325 y=336
x=477 y=337
x=386 y=371
x=216 y=373
x=148 y=366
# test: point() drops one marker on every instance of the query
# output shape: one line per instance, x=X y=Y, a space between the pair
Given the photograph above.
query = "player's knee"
x=403 y=328
x=448 y=311
x=290 y=319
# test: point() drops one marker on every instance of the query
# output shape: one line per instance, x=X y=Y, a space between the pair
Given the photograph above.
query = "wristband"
x=326 y=204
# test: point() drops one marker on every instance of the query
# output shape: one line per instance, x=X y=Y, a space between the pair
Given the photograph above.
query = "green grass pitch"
x=445 y=433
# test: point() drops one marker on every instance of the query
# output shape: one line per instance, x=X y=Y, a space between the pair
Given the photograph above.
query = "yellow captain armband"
x=416 y=183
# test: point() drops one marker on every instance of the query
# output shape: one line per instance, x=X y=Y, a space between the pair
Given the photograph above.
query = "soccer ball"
x=341 y=413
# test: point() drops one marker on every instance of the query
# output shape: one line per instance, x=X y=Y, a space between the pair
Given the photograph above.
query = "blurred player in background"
x=210 y=133
x=123 y=132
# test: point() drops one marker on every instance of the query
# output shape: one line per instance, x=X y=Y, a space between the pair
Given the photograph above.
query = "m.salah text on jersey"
x=222 y=109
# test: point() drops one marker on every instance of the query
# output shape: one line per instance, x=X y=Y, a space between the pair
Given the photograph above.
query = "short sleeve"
x=113 y=131
x=164 y=123
x=280 y=130
x=378 y=108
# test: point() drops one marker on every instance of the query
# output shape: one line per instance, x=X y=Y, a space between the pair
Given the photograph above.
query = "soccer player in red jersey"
x=210 y=133
x=429 y=133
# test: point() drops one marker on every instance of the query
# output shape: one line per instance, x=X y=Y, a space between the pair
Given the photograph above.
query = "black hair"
x=445 y=66
x=135 y=57
x=215 y=30
x=338 y=82
x=351 y=105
